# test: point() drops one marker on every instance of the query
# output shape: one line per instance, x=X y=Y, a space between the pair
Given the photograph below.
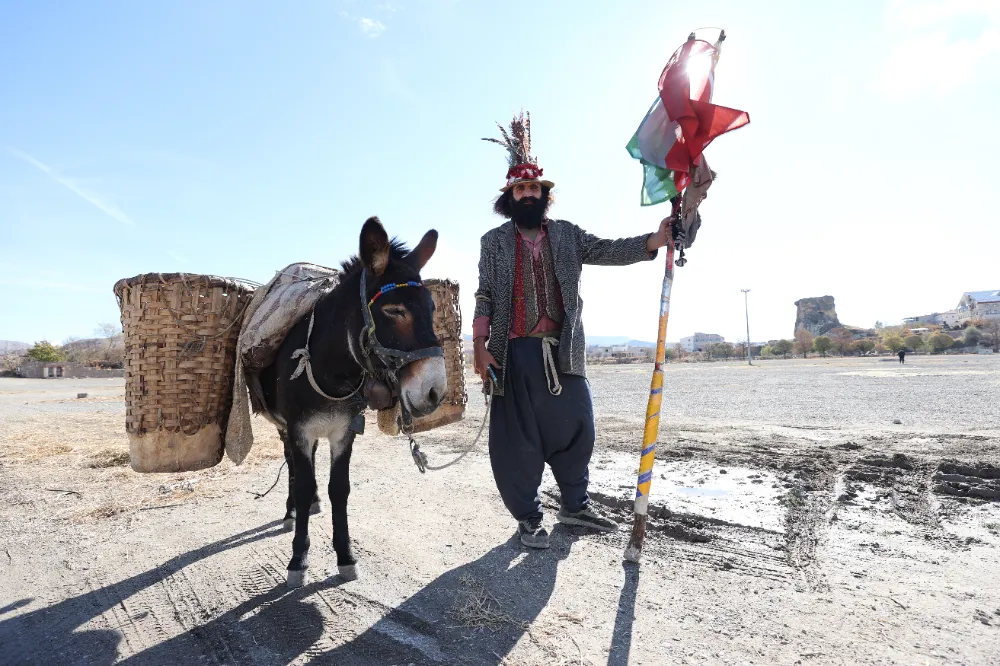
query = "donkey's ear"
x=374 y=250
x=424 y=250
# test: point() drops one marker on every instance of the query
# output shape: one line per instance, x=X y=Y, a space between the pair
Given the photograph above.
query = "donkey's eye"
x=396 y=311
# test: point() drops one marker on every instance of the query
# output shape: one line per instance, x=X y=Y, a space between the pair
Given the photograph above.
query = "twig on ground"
x=900 y=604
x=10 y=560
x=64 y=491
x=161 y=506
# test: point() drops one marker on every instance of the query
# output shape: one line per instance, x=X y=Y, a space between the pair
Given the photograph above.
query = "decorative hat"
x=523 y=168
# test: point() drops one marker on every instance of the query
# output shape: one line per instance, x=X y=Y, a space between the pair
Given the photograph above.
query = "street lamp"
x=746 y=308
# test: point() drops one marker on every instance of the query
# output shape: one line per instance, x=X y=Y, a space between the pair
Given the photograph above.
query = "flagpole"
x=652 y=430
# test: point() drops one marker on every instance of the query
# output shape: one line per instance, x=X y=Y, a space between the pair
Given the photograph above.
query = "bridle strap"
x=392 y=359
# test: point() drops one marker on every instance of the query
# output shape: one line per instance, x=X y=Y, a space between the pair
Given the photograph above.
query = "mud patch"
x=968 y=480
x=729 y=494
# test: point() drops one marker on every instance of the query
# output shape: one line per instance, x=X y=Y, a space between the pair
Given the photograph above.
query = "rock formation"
x=816 y=315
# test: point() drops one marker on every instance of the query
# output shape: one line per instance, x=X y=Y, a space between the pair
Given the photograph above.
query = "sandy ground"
x=824 y=511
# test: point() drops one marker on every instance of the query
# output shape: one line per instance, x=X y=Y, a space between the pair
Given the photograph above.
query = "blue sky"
x=234 y=138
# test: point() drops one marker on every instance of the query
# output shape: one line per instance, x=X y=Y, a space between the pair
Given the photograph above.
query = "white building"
x=979 y=305
x=697 y=342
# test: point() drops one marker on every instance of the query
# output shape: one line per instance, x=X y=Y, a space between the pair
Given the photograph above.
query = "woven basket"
x=180 y=353
x=448 y=328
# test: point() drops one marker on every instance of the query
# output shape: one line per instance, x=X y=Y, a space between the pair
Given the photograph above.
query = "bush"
x=972 y=337
x=893 y=343
x=939 y=342
x=914 y=342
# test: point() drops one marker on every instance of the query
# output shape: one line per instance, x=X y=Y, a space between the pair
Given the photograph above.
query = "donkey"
x=376 y=324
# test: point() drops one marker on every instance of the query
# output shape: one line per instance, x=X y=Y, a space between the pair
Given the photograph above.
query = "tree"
x=783 y=347
x=841 y=340
x=879 y=325
x=725 y=349
x=803 y=342
x=46 y=352
x=766 y=352
x=893 y=343
x=822 y=344
x=914 y=342
x=864 y=346
x=972 y=337
x=939 y=342
x=112 y=333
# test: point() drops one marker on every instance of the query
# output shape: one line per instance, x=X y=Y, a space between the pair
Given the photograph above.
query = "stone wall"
x=43 y=370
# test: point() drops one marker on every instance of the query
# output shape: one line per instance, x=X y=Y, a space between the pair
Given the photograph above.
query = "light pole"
x=746 y=308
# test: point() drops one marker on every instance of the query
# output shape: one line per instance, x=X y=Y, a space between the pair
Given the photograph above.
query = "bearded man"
x=529 y=338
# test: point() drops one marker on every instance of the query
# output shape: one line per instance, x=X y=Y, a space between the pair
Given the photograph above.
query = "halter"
x=393 y=360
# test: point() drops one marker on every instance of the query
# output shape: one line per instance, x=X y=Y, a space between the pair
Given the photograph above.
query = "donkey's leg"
x=289 y=519
x=304 y=491
x=340 y=489
x=315 y=507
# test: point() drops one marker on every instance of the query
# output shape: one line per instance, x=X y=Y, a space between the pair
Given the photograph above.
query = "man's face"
x=527 y=190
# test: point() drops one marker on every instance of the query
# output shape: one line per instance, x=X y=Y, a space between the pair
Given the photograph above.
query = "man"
x=902 y=356
x=529 y=336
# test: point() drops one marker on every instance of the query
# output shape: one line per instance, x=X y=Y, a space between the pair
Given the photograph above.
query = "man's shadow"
x=438 y=624
x=49 y=635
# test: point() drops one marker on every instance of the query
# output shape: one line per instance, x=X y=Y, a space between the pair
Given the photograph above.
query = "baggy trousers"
x=530 y=427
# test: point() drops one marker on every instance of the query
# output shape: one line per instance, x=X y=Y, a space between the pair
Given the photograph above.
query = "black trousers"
x=530 y=427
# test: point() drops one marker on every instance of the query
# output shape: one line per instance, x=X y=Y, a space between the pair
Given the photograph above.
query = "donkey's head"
x=404 y=317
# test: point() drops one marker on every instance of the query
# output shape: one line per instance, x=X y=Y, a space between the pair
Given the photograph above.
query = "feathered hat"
x=523 y=168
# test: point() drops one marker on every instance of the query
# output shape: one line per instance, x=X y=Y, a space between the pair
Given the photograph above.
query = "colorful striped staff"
x=652 y=430
x=669 y=144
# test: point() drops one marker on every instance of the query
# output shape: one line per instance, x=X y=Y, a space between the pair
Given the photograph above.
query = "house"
x=979 y=305
x=698 y=341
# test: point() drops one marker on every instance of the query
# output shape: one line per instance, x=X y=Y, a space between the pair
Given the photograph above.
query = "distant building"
x=55 y=370
x=697 y=342
x=621 y=354
x=979 y=305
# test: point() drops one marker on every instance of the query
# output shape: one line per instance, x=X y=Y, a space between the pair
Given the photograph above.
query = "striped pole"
x=652 y=431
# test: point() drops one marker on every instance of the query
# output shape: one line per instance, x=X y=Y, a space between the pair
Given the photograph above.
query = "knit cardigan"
x=572 y=247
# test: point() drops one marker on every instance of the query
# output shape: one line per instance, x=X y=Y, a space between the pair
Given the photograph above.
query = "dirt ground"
x=820 y=511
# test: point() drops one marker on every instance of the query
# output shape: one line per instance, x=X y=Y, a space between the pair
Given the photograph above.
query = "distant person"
x=902 y=356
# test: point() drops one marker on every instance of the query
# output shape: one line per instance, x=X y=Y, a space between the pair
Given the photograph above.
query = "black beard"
x=528 y=213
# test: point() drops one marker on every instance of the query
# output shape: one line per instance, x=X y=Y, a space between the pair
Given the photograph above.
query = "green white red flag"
x=682 y=122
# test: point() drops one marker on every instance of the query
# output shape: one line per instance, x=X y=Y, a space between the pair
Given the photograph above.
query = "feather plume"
x=517 y=141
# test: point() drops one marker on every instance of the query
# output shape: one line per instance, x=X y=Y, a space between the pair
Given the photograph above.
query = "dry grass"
x=475 y=607
x=109 y=458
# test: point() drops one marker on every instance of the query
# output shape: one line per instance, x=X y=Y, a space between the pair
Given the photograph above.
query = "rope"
x=278 y=478
x=420 y=458
x=551 y=369
x=305 y=365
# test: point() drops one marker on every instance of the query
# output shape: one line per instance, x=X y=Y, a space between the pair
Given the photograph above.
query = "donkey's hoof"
x=296 y=577
x=348 y=571
x=315 y=508
x=288 y=523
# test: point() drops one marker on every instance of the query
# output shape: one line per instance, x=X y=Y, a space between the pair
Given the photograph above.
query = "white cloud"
x=371 y=27
x=105 y=206
x=931 y=53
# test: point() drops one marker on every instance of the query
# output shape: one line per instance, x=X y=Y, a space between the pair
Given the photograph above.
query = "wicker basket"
x=448 y=328
x=180 y=353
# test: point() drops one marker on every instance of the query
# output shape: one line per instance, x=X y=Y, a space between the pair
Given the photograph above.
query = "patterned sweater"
x=572 y=247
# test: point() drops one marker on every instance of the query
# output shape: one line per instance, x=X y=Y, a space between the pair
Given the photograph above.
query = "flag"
x=682 y=122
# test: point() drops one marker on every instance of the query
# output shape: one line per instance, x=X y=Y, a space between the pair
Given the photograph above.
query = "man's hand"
x=482 y=359
x=658 y=238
